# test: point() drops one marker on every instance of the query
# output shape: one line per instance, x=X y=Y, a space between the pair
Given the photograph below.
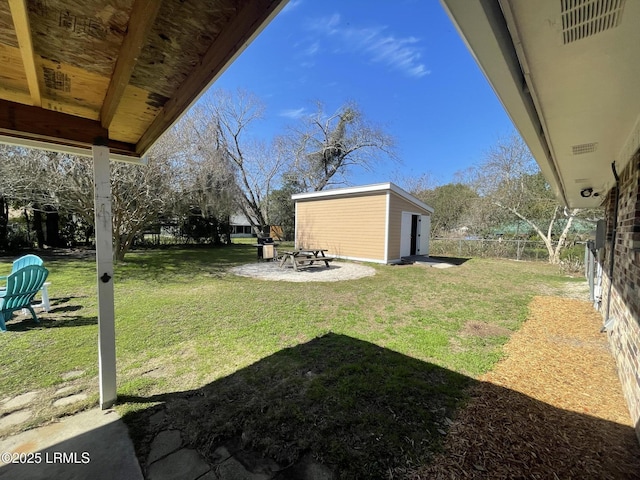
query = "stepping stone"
x=211 y=475
x=185 y=464
x=72 y=374
x=316 y=471
x=61 y=402
x=62 y=390
x=20 y=400
x=232 y=469
x=164 y=443
x=157 y=418
x=221 y=454
x=155 y=373
x=14 y=418
x=307 y=469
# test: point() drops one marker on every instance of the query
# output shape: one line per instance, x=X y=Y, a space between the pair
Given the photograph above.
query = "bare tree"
x=223 y=124
x=326 y=148
x=510 y=179
x=140 y=194
x=26 y=183
x=202 y=176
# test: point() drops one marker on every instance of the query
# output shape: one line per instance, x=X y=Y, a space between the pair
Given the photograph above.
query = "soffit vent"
x=584 y=18
x=584 y=148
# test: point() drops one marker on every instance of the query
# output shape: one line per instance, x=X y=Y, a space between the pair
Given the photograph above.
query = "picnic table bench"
x=304 y=257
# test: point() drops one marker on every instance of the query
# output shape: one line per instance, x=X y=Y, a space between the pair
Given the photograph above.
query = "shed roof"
x=120 y=72
x=361 y=190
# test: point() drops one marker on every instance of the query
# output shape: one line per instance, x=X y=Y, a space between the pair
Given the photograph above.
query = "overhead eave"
x=119 y=74
x=483 y=27
x=237 y=36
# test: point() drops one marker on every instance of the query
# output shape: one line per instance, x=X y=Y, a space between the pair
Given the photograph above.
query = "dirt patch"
x=560 y=412
x=336 y=272
x=484 y=330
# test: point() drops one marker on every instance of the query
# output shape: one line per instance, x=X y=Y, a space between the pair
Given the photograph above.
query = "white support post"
x=104 y=262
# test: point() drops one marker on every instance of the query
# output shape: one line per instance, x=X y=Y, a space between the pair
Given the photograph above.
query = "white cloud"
x=291 y=5
x=294 y=113
x=333 y=22
x=400 y=53
x=312 y=49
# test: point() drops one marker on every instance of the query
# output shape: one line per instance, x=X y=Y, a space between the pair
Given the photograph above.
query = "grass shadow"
x=350 y=408
x=161 y=265
x=67 y=309
x=451 y=260
x=26 y=323
x=52 y=319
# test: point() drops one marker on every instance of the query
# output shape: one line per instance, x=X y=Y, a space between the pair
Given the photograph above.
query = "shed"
x=375 y=223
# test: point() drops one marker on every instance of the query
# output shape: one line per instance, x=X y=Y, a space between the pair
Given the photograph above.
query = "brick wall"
x=624 y=336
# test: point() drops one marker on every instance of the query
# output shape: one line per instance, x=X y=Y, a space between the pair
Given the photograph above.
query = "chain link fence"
x=516 y=249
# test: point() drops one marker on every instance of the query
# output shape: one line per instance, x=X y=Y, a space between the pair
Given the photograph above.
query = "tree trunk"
x=27 y=222
x=4 y=222
x=37 y=226
x=88 y=233
x=53 y=227
x=227 y=230
x=563 y=238
x=545 y=238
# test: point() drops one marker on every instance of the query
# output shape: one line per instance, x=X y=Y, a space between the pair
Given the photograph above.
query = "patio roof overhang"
x=106 y=79
x=566 y=72
x=117 y=73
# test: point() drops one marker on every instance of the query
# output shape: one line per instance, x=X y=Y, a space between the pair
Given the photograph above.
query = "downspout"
x=609 y=321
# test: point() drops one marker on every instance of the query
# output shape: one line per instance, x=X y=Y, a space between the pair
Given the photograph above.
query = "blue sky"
x=402 y=62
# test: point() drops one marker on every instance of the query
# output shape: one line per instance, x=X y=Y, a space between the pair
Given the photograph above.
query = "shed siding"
x=346 y=226
x=398 y=205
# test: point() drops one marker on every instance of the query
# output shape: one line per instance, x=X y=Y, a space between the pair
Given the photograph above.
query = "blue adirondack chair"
x=24 y=261
x=22 y=285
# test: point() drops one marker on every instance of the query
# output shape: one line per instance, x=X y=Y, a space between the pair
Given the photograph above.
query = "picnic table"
x=304 y=257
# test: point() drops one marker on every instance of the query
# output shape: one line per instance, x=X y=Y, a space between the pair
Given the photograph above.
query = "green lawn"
x=288 y=368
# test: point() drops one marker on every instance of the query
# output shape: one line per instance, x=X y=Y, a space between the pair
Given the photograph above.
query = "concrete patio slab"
x=92 y=444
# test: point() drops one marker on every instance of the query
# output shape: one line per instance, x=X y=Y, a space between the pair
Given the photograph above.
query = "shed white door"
x=425 y=232
x=405 y=234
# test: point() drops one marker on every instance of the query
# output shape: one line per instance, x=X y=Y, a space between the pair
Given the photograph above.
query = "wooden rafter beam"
x=229 y=43
x=40 y=125
x=142 y=18
x=20 y=16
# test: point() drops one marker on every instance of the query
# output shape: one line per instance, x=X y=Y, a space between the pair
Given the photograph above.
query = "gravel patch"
x=336 y=272
x=552 y=408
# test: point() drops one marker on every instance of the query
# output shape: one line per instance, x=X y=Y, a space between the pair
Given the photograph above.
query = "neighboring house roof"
x=567 y=75
x=578 y=226
x=351 y=191
x=239 y=219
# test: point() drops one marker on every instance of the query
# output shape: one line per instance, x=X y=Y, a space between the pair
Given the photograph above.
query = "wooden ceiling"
x=74 y=73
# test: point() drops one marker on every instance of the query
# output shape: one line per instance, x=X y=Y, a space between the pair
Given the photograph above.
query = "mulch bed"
x=552 y=409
